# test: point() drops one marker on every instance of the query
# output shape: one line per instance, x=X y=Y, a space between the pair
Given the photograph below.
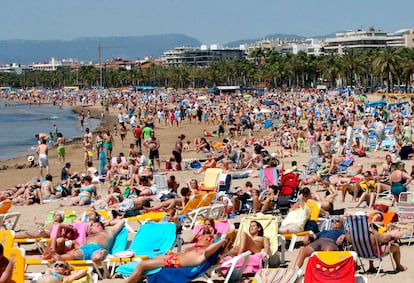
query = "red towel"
x=318 y=271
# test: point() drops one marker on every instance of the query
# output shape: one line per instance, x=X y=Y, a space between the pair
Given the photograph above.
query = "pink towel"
x=254 y=264
x=82 y=228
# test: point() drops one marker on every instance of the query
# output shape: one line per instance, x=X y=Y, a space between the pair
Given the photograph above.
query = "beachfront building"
x=401 y=38
x=283 y=46
x=14 y=68
x=200 y=56
x=314 y=47
x=47 y=66
x=362 y=40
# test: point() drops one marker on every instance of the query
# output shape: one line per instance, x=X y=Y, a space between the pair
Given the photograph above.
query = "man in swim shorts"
x=42 y=151
x=96 y=244
x=327 y=240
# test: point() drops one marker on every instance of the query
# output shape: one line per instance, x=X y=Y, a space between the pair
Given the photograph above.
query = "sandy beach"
x=14 y=171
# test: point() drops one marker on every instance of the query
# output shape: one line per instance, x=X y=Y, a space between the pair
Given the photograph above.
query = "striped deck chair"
x=406 y=213
x=362 y=243
x=268 y=177
x=280 y=275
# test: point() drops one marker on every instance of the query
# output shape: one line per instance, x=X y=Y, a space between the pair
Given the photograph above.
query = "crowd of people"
x=337 y=133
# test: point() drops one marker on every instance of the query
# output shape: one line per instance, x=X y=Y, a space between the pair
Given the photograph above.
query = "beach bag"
x=65 y=191
x=361 y=153
x=195 y=165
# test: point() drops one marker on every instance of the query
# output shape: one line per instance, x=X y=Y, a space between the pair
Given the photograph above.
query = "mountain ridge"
x=27 y=51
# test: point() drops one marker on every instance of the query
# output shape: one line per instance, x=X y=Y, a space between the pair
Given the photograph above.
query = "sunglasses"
x=61 y=265
x=336 y=221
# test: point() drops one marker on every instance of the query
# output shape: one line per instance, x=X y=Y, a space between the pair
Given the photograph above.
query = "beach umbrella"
x=269 y=103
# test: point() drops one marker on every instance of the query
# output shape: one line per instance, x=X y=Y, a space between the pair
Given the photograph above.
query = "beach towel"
x=317 y=271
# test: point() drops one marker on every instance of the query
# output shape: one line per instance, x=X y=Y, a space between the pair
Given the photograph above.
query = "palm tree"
x=407 y=66
x=386 y=64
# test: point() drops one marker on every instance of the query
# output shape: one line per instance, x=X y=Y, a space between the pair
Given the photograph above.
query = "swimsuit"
x=54 y=274
x=43 y=161
x=89 y=249
x=61 y=150
x=172 y=261
x=397 y=188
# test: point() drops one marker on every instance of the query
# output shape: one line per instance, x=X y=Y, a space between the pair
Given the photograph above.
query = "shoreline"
x=20 y=166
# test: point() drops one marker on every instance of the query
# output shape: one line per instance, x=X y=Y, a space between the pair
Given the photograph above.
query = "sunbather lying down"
x=187 y=258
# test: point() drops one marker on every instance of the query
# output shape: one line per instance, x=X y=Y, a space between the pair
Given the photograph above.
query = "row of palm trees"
x=372 y=68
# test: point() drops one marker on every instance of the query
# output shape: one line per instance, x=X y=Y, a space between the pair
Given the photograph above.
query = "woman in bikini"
x=86 y=191
x=61 y=272
x=192 y=257
x=44 y=230
x=206 y=235
x=254 y=241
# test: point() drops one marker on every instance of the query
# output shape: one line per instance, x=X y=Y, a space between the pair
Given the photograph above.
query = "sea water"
x=19 y=123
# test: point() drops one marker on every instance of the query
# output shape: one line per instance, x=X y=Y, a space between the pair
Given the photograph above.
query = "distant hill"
x=86 y=49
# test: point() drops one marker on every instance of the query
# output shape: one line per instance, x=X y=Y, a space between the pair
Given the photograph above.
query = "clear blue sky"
x=210 y=21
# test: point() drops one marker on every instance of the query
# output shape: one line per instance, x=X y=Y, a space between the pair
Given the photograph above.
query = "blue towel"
x=182 y=274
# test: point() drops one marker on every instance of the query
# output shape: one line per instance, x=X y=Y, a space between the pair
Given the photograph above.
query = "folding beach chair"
x=406 y=214
x=280 y=275
x=202 y=210
x=331 y=266
x=152 y=239
x=210 y=180
x=8 y=220
x=69 y=216
x=192 y=204
x=268 y=177
x=6 y=238
x=361 y=241
x=270 y=229
x=314 y=208
x=155 y=216
x=16 y=255
x=187 y=274
x=117 y=244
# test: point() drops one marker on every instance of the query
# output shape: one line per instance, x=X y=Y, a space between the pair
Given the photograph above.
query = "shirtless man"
x=6 y=267
x=254 y=241
x=96 y=244
x=48 y=190
x=42 y=151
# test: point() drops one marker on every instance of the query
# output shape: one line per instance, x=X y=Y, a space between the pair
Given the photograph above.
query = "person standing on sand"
x=153 y=144
x=60 y=142
x=178 y=148
x=42 y=151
